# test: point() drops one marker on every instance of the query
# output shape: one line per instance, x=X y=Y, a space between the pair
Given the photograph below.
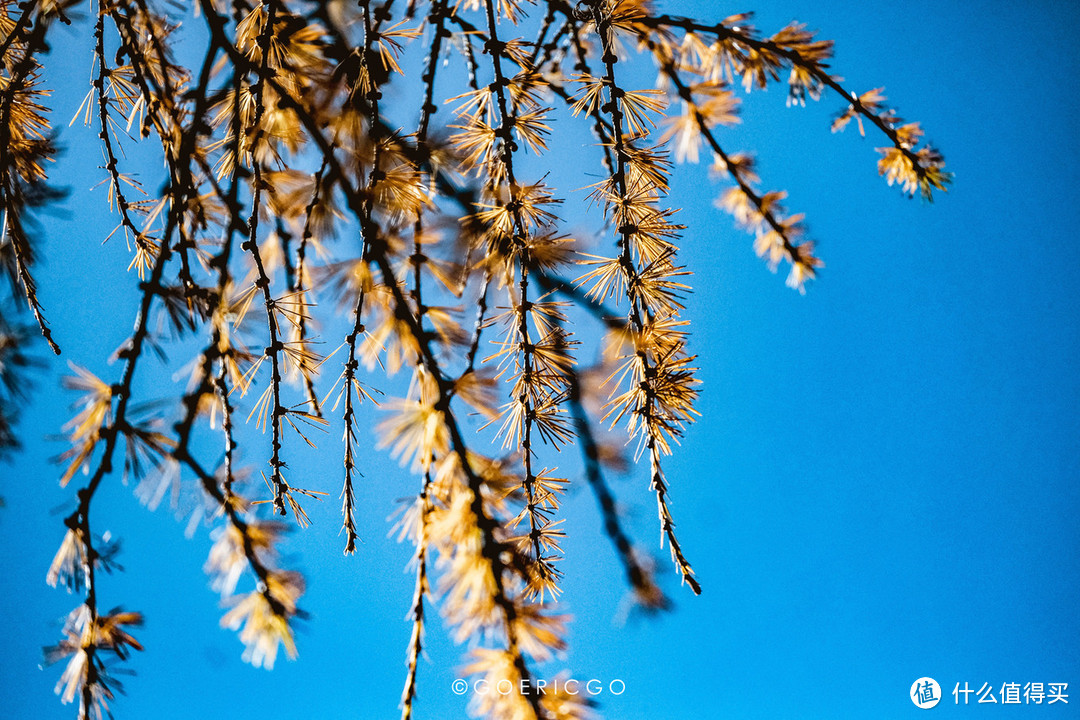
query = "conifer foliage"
x=295 y=199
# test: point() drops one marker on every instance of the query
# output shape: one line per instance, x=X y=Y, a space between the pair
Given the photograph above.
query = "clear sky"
x=883 y=485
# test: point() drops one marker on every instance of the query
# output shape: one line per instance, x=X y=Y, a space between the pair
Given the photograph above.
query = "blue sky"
x=882 y=485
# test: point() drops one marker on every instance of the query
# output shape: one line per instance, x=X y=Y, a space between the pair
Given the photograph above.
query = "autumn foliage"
x=294 y=199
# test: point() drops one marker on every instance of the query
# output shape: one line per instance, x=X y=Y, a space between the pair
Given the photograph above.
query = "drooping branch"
x=286 y=171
